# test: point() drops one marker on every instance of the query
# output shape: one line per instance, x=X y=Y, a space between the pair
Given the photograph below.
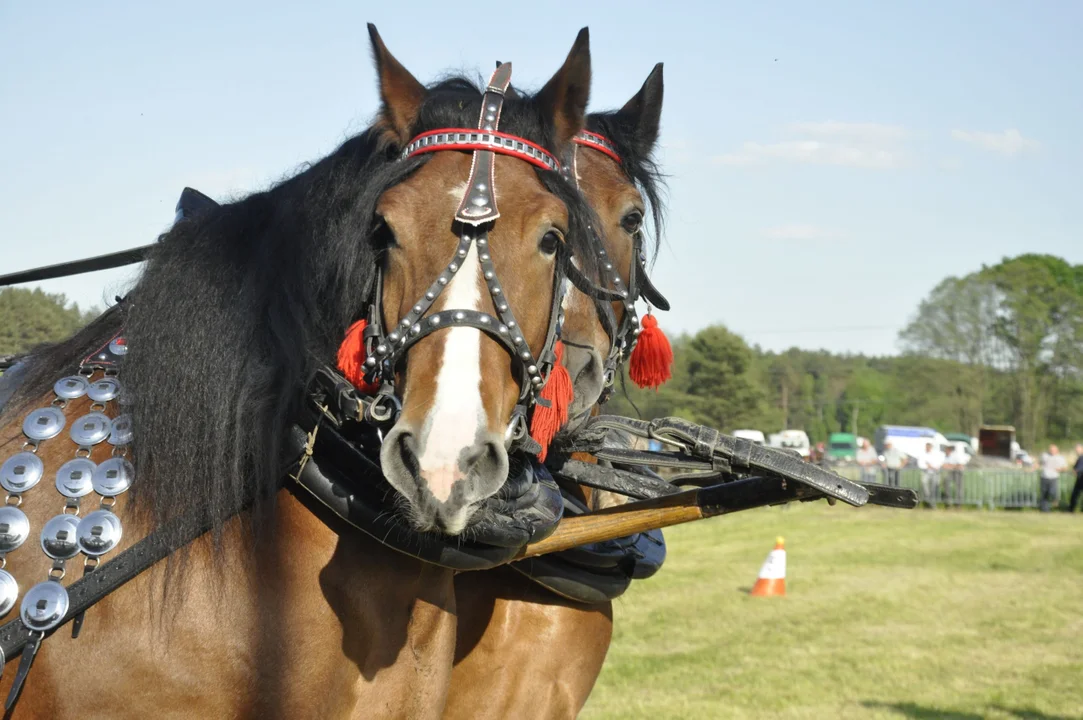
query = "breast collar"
x=623 y=337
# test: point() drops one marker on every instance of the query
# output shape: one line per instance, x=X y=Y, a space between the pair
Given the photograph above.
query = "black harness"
x=476 y=213
x=622 y=336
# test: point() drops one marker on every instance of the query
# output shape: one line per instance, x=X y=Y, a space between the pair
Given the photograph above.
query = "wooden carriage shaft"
x=624 y=520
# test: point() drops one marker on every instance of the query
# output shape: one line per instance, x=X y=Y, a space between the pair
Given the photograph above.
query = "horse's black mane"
x=637 y=162
x=238 y=306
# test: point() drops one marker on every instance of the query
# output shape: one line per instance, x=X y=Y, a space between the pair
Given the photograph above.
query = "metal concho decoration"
x=98 y=533
x=44 y=606
x=21 y=471
x=58 y=537
x=104 y=390
x=91 y=429
x=75 y=478
x=71 y=387
x=9 y=592
x=120 y=433
x=44 y=423
x=113 y=477
x=14 y=528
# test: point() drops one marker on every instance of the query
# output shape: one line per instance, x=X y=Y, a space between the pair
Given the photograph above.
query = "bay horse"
x=280 y=612
x=552 y=648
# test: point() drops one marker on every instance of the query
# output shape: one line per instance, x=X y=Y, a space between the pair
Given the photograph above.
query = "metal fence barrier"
x=988 y=488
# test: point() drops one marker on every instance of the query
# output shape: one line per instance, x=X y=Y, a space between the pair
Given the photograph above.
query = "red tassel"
x=351 y=358
x=559 y=392
x=652 y=358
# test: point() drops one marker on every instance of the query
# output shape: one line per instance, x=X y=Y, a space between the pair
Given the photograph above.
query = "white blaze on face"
x=457 y=413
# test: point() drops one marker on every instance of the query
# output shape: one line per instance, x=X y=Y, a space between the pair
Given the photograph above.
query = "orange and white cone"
x=772 y=579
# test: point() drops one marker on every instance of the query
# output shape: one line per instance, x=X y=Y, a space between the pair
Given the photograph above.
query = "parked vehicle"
x=841 y=447
x=972 y=442
x=795 y=440
x=911 y=440
x=997 y=441
x=755 y=436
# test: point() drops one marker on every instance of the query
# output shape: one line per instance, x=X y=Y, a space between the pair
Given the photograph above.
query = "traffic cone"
x=772 y=579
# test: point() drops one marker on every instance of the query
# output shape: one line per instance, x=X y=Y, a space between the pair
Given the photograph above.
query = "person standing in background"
x=1053 y=464
x=894 y=461
x=954 y=463
x=930 y=463
x=1077 y=489
x=869 y=462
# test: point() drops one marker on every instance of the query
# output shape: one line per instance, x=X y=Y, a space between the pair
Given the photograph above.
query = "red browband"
x=599 y=142
x=466 y=139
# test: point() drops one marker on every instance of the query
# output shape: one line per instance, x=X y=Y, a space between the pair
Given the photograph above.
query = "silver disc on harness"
x=9 y=592
x=14 y=528
x=113 y=477
x=91 y=429
x=44 y=423
x=71 y=387
x=21 y=471
x=99 y=532
x=104 y=390
x=120 y=433
x=58 y=537
x=75 y=478
x=44 y=606
x=118 y=346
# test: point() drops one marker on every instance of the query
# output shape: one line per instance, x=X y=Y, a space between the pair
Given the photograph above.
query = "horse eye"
x=550 y=242
x=383 y=237
x=632 y=222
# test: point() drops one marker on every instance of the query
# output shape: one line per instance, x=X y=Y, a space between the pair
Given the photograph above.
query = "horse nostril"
x=406 y=444
x=488 y=460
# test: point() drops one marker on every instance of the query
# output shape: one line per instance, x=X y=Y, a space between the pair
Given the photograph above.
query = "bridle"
x=623 y=337
x=476 y=213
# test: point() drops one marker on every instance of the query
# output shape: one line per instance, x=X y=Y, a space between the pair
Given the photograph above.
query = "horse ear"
x=400 y=92
x=644 y=110
x=564 y=98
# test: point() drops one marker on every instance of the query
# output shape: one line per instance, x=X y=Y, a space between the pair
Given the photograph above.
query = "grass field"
x=889 y=614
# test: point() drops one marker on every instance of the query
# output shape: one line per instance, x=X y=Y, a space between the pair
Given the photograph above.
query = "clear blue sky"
x=829 y=162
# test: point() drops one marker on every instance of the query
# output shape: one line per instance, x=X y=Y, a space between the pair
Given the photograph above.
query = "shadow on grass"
x=921 y=712
x=1032 y=714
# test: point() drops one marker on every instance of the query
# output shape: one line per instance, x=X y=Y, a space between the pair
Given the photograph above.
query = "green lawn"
x=889 y=614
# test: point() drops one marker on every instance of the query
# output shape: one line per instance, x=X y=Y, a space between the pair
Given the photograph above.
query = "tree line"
x=1002 y=345
x=29 y=318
